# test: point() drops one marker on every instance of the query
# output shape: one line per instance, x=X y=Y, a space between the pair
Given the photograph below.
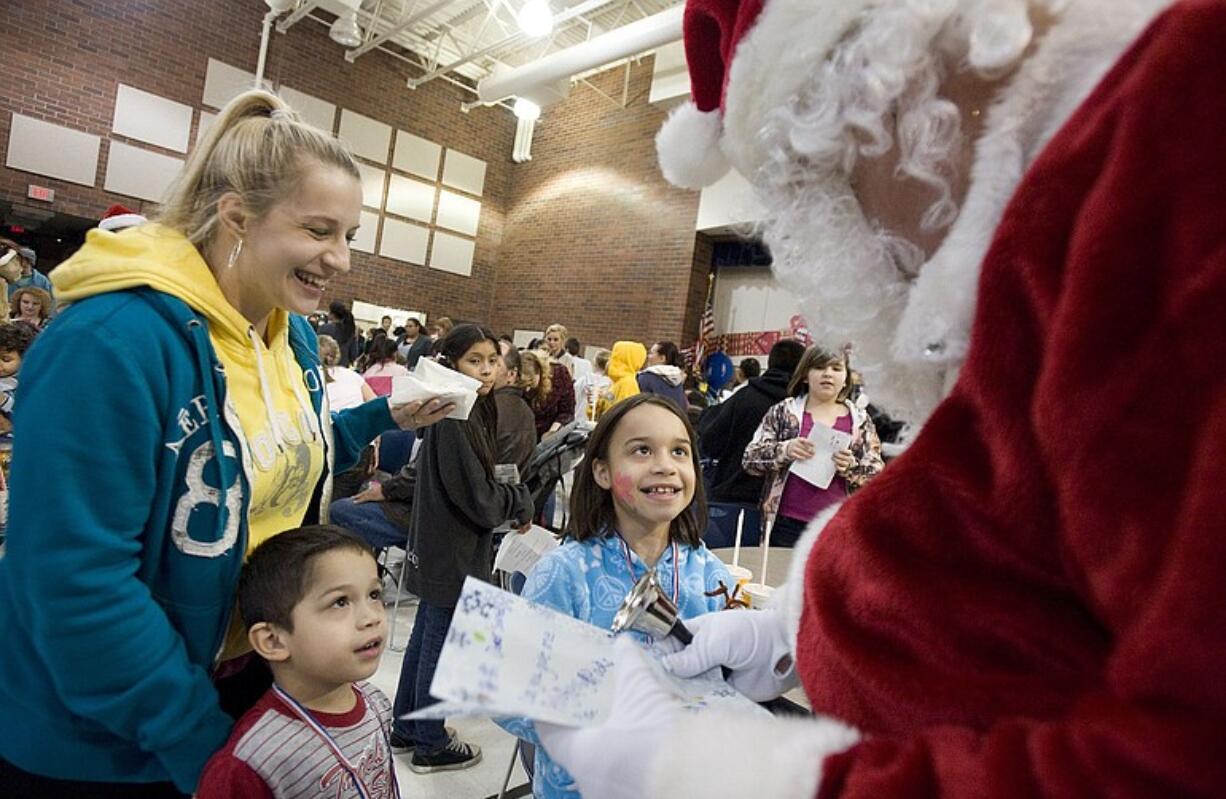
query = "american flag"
x=706 y=332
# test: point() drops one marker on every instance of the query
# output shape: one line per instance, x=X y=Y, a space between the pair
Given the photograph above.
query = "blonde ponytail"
x=255 y=148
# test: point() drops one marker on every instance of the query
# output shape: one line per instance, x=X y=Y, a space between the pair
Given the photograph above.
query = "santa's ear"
x=269 y=641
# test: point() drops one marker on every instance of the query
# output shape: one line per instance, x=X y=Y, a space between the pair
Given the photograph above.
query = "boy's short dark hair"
x=279 y=572
x=16 y=337
x=573 y=346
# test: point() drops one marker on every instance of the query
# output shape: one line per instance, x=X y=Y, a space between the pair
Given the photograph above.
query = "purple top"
x=802 y=500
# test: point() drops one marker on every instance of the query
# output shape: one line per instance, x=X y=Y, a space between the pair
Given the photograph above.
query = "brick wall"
x=595 y=238
x=587 y=233
x=63 y=60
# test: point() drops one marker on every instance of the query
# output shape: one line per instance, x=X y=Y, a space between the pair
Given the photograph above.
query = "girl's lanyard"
x=306 y=718
x=676 y=567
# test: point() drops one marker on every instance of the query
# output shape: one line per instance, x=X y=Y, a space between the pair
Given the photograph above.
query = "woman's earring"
x=234 y=253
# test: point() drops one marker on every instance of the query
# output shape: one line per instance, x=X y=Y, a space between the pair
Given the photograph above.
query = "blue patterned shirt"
x=588 y=580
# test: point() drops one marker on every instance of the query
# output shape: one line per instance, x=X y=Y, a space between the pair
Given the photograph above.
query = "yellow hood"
x=626 y=358
x=162 y=259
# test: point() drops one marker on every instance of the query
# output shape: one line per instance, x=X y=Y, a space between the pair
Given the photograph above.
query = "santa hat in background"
x=118 y=217
x=747 y=58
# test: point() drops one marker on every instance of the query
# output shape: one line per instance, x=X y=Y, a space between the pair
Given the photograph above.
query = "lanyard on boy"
x=676 y=566
x=309 y=719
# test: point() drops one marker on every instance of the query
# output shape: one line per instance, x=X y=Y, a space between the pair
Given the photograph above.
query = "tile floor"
x=480 y=781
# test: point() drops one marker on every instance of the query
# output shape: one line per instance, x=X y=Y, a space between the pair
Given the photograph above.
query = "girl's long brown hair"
x=591 y=507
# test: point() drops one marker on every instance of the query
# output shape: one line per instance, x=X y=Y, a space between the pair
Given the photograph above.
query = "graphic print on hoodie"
x=265 y=390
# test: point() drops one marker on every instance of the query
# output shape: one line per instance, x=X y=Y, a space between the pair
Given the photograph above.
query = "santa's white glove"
x=612 y=760
x=753 y=644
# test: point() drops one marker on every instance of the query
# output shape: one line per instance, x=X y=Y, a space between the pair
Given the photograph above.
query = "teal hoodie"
x=127 y=533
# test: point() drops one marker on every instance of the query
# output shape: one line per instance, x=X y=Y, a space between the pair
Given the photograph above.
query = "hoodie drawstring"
x=269 y=409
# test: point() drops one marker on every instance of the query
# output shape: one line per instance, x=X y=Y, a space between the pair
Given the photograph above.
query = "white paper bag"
x=429 y=380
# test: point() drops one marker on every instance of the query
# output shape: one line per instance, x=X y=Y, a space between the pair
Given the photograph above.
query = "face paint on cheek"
x=623 y=489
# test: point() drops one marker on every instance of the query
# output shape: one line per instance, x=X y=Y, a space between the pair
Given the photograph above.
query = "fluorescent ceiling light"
x=535 y=18
x=345 y=30
x=526 y=109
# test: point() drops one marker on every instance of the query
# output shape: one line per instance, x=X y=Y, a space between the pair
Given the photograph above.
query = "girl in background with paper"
x=456 y=505
x=638 y=504
x=816 y=446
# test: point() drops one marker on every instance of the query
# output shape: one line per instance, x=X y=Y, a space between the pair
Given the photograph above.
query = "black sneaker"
x=401 y=744
x=454 y=756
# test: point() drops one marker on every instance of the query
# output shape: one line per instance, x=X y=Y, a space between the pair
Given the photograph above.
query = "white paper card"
x=429 y=380
x=819 y=470
x=507 y=656
x=519 y=552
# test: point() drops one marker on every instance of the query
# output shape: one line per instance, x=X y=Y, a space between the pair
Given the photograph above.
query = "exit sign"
x=41 y=193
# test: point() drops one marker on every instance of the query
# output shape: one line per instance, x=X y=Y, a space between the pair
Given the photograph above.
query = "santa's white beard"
x=852 y=283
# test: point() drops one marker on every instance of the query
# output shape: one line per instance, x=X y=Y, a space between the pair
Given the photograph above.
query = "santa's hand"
x=612 y=760
x=752 y=643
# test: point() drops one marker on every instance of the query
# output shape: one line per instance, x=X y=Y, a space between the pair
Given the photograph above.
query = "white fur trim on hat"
x=783 y=50
x=721 y=754
x=121 y=221
x=688 y=147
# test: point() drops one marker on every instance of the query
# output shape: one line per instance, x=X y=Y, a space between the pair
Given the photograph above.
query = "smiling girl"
x=819 y=396
x=638 y=504
x=457 y=504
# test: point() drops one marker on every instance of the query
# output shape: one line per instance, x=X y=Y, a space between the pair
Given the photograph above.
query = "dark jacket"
x=516 y=427
x=516 y=442
x=726 y=429
x=671 y=386
x=421 y=346
x=456 y=505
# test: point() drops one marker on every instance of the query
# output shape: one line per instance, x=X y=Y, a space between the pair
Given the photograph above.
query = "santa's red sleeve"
x=1029 y=602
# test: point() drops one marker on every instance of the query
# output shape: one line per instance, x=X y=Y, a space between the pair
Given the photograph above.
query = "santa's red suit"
x=1029 y=602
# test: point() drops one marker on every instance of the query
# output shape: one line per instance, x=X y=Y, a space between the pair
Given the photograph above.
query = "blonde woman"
x=207 y=432
x=555 y=347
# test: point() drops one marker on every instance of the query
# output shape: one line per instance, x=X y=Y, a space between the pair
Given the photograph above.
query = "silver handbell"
x=647 y=609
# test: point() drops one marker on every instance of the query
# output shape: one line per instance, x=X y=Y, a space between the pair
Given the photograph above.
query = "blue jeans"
x=367 y=520
x=416 y=674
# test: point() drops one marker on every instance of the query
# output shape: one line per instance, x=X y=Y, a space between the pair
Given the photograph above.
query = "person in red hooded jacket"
x=1028 y=196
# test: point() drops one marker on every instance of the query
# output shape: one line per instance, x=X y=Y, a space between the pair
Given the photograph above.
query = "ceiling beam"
x=406 y=21
x=510 y=41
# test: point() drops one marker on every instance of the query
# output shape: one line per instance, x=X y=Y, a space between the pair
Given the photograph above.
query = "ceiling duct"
x=637 y=37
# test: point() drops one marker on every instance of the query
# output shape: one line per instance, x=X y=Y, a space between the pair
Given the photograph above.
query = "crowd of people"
x=1022 y=603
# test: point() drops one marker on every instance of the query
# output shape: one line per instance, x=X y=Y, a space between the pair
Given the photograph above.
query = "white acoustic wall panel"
x=222 y=83
x=140 y=173
x=416 y=155
x=372 y=185
x=364 y=241
x=458 y=213
x=52 y=150
x=404 y=241
x=149 y=118
x=206 y=121
x=451 y=254
x=314 y=111
x=411 y=198
x=464 y=172
x=366 y=137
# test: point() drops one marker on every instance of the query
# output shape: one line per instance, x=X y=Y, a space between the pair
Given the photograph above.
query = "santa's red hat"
x=119 y=217
x=747 y=58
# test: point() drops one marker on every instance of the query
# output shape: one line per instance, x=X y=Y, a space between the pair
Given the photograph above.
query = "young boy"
x=312 y=602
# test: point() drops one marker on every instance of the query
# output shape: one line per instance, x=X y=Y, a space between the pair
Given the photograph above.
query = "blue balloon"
x=718 y=370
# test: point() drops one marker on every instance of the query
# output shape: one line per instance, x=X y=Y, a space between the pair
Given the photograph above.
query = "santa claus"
x=1015 y=211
